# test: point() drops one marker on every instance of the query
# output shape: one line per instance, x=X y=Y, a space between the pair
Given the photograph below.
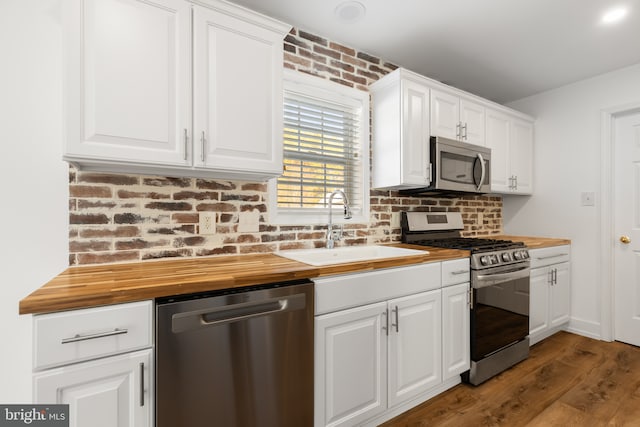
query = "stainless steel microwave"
x=456 y=167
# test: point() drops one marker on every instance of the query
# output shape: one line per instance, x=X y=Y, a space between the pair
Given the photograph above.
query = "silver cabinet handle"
x=141 y=383
x=386 y=321
x=397 y=324
x=464 y=135
x=458 y=272
x=79 y=337
x=458 y=130
x=186 y=143
x=203 y=142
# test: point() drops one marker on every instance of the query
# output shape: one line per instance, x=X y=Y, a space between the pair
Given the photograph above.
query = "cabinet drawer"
x=77 y=335
x=352 y=290
x=455 y=271
x=548 y=256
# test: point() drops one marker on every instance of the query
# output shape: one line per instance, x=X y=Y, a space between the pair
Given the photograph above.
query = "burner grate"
x=472 y=244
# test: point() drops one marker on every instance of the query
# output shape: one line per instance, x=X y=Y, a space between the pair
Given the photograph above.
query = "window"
x=326 y=148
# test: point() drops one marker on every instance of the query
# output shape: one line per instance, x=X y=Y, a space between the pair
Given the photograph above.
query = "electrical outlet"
x=207 y=223
x=480 y=219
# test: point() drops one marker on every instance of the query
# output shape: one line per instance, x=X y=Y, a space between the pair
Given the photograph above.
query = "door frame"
x=607 y=226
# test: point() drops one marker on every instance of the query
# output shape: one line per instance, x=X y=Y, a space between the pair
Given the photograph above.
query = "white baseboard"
x=585 y=328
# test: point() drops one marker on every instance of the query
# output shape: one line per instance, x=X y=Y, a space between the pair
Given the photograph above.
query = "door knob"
x=625 y=239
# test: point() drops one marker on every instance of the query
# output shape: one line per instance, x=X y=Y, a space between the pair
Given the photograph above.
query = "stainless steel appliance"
x=499 y=290
x=456 y=167
x=236 y=358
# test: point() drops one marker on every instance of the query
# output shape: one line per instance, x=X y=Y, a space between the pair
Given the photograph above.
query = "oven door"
x=500 y=308
x=461 y=167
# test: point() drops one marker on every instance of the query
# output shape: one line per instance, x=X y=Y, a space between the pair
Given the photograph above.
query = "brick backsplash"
x=118 y=218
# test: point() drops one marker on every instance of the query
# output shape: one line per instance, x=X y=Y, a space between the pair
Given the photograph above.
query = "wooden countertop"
x=89 y=286
x=535 y=242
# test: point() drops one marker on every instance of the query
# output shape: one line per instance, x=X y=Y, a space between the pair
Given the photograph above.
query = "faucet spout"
x=333 y=235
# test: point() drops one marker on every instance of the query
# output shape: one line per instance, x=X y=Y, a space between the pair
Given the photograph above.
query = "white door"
x=627 y=225
x=415 y=137
x=455 y=330
x=539 y=300
x=237 y=93
x=110 y=392
x=415 y=331
x=445 y=115
x=350 y=365
x=127 y=78
x=560 y=302
x=498 y=139
x=472 y=116
x=521 y=156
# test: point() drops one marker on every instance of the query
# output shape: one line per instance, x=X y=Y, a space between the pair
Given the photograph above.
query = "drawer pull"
x=551 y=256
x=458 y=272
x=79 y=337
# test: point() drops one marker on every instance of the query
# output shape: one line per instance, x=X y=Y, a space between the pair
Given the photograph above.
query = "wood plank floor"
x=568 y=380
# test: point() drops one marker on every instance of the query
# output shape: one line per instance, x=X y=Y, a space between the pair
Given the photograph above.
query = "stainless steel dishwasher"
x=236 y=358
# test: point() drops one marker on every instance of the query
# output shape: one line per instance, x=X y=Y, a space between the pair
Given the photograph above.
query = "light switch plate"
x=588 y=199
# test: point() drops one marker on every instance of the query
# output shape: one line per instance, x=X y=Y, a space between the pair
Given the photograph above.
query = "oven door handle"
x=484 y=280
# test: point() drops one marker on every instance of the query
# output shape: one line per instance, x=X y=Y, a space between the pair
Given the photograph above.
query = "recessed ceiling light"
x=350 y=11
x=614 y=15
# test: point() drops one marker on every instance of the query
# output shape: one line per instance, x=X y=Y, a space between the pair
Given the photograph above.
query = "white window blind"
x=321 y=153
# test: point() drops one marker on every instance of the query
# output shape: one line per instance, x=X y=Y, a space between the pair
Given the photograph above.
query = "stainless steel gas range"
x=499 y=290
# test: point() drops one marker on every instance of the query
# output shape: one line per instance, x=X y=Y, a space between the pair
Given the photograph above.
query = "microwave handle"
x=483 y=171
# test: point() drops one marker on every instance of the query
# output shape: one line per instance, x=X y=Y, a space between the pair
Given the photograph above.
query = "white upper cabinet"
x=400 y=132
x=237 y=94
x=127 y=81
x=131 y=104
x=457 y=118
x=511 y=142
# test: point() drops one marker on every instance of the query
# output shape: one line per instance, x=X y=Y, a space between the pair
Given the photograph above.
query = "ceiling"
x=502 y=50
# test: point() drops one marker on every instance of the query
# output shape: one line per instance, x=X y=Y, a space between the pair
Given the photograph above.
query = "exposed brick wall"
x=116 y=218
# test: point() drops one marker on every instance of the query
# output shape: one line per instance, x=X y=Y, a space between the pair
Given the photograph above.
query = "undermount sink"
x=345 y=254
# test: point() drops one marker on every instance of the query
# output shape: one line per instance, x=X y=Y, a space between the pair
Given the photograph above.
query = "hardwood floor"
x=568 y=380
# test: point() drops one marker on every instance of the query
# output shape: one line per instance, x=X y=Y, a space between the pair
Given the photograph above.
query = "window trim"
x=307 y=85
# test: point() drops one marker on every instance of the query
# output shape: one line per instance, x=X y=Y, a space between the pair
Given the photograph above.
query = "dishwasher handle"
x=215 y=316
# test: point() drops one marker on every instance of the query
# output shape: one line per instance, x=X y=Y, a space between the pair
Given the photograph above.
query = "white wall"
x=33 y=178
x=567 y=162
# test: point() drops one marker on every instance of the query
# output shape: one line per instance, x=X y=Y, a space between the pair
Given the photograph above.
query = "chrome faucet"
x=333 y=235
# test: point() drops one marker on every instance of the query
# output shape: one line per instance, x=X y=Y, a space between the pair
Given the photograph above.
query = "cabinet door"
x=445 y=114
x=560 y=304
x=539 y=300
x=497 y=138
x=237 y=93
x=415 y=363
x=472 y=116
x=415 y=134
x=127 y=80
x=350 y=365
x=111 y=392
x=456 y=354
x=521 y=153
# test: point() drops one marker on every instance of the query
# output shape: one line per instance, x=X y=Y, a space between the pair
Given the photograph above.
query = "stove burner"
x=475 y=245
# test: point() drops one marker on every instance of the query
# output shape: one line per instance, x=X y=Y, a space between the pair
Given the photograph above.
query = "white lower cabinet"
x=456 y=351
x=99 y=361
x=550 y=291
x=110 y=392
x=376 y=360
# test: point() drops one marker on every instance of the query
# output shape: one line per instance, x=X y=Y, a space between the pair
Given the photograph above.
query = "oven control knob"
x=517 y=255
x=495 y=259
x=484 y=260
x=506 y=257
x=525 y=254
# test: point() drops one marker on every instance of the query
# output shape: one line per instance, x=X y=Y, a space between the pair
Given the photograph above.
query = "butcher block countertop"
x=535 y=242
x=89 y=286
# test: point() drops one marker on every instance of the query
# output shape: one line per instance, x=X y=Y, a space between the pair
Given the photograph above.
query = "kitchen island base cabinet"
x=114 y=391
